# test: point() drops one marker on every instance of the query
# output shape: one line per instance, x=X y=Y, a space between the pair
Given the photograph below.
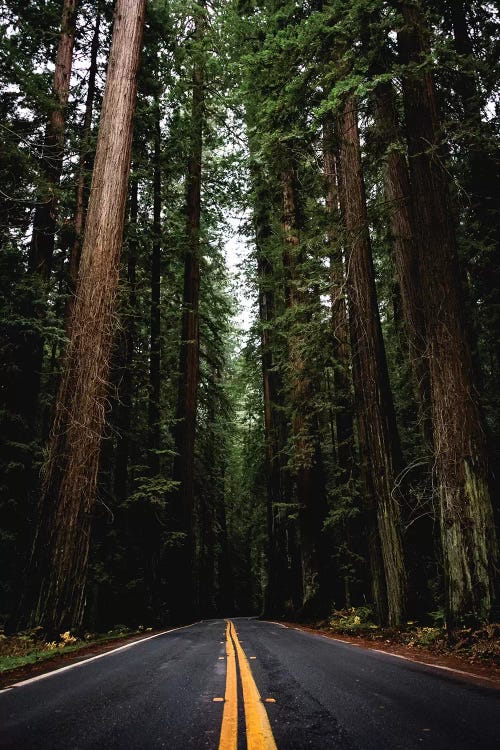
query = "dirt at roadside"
x=484 y=672
x=25 y=672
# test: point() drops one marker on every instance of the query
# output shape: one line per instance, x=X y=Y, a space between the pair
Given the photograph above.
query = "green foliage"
x=353 y=621
x=153 y=490
x=438 y=617
x=427 y=636
x=275 y=73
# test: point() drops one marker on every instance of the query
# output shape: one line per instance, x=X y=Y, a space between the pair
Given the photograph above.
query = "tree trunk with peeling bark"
x=60 y=554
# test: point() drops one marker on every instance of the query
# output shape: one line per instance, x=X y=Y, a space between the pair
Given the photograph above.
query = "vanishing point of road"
x=245 y=683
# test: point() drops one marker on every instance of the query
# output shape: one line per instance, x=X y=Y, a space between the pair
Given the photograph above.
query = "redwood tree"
x=85 y=157
x=461 y=452
x=340 y=323
x=182 y=591
x=44 y=223
x=154 y=433
x=402 y=223
x=58 y=567
x=377 y=430
x=308 y=469
x=42 y=243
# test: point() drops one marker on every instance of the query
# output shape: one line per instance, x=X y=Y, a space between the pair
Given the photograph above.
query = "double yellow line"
x=258 y=729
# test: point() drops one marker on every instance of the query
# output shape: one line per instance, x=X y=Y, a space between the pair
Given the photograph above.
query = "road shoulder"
x=61 y=659
x=480 y=673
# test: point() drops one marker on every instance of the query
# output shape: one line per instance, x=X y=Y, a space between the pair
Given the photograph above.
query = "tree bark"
x=343 y=434
x=398 y=195
x=225 y=577
x=44 y=224
x=61 y=546
x=185 y=431
x=85 y=160
x=377 y=431
x=370 y=523
x=155 y=324
x=481 y=178
x=308 y=469
x=280 y=534
x=461 y=463
x=269 y=377
x=344 y=422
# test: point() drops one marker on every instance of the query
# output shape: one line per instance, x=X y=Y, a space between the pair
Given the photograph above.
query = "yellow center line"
x=259 y=732
x=229 y=730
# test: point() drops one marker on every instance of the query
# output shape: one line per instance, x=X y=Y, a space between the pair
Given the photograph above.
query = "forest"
x=166 y=457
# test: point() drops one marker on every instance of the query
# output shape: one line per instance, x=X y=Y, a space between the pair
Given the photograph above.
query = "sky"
x=237 y=248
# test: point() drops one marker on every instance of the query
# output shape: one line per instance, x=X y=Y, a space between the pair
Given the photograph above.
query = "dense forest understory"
x=166 y=456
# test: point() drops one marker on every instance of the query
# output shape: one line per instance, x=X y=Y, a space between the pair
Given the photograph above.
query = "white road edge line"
x=93 y=658
x=434 y=666
x=280 y=624
x=389 y=653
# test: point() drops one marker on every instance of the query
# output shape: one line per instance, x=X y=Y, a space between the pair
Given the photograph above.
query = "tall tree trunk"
x=280 y=532
x=44 y=221
x=398 y=196
x=60 y=553
x=44 y=224
x=341 y=351
x=377 y=431
x=85 y=159
x=155 y=341
x=185 y=430
x=481 y=178
x=208 y=504
x=307 y=455
x=269 y=375
x=206 y=576
x=370 y=523
x=461 y=465
x=342 y=378
x=225 y=578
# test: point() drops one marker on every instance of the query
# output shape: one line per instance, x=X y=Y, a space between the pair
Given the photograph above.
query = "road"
x=248 y=684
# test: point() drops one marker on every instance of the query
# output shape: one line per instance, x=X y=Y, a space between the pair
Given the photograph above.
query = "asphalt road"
x=309 y=691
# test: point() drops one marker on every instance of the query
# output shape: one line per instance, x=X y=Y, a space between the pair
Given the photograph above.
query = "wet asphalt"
x=329 y=695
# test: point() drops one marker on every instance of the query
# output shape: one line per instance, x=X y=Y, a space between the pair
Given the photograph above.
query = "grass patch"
x=353 y=621
x=27 y=648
